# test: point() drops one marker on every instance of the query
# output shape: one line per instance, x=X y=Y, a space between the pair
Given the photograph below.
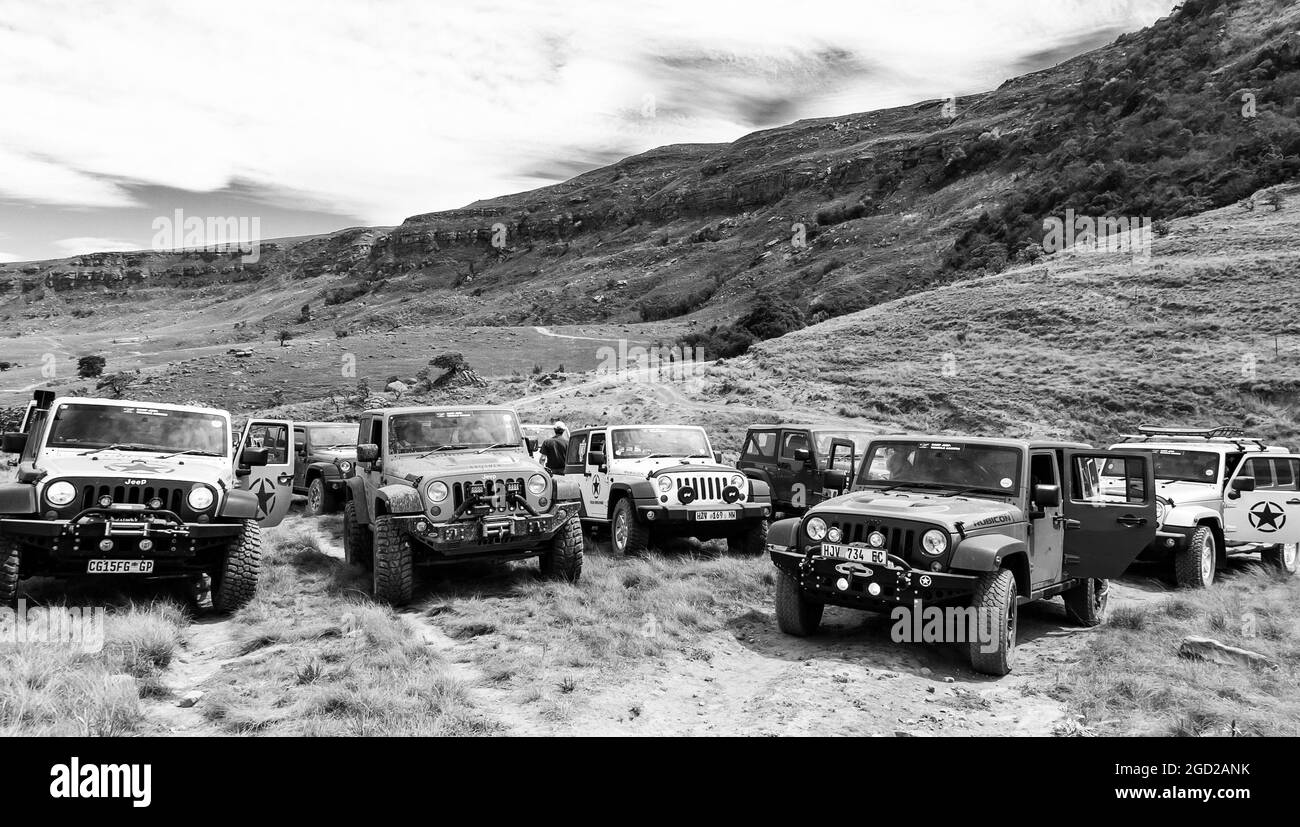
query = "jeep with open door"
x=1219 y=493
x=324 y=455
x=439 y=485
x=967 y=523
x=793 y=461
x=649 y=481
x=114 y=487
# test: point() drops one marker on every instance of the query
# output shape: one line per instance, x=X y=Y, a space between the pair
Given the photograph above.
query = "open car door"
x=273 y=482
x=843 y=457
x=1107 y=521
x=1269 y=512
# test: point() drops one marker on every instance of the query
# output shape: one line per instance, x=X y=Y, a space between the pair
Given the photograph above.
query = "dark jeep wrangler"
x=436 y=485
x=325 y=453
x=967 y=523
x=112 y=487
x=794 y=460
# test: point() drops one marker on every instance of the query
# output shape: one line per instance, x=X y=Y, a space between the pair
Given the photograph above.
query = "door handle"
x=1129 y=519
x=1059 y=520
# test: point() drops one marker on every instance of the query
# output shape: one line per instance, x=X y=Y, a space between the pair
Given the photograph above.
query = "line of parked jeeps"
x=849 y=518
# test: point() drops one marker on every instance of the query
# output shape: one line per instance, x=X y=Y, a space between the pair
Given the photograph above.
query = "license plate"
x=713 y=516
x=119 y=567
x=856 y=554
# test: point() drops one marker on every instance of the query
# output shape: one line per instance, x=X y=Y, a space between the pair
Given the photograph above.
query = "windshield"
x=823 y=438
x=324 y=435
x=948 y=464
x=1174 y=465
x=138 y=428
x=638 y=443
x=430 y=430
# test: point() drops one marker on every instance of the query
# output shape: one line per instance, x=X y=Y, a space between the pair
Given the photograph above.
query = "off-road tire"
x=635 y=534
x=358 y=546
x=1276 y=558
x=564 y=559
x=751 y=542
x=319 y=499
x=1192 y=569
x=236 y=583
x=1085 y=604
x=996 y=592
x=795 y=613
x=11 y=559
x=394 y=574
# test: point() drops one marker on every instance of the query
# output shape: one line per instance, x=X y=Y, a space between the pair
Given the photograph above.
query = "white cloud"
x=79 y=246
x=388 y=109
x=5 y=258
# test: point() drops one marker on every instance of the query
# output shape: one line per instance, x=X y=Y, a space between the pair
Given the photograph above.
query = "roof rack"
x=1223 y=433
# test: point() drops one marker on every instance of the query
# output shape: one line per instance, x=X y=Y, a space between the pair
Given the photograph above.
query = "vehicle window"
x=1260 y=469
x=274 y=438
x=956 y=465
x=793 y=441
x=639 y=443
x=1113 y=480
x=138 y=428
x=377 y=431
x=1287 y=473
x=1176 y=465
x=597 y=442
x=577 y=454
x=425 y=431
x=760 y=445
x=330 y=436
x=299 y=440
x=823 y=440
x=1042 y=471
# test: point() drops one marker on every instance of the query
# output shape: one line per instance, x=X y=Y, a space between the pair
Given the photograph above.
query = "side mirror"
x=1243 y=485
x=368 y=452
x=1047 y=496
x=254 y=457
x=717 y=457
x=532 y=444
x=13 y=443
x=835 y=480
x=595 y=457
x=802 y=454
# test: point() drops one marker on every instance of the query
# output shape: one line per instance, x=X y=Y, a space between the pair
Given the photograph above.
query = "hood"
x=660 y=465
x=973 y=514
x=463 y=462
x=148 y=465
x=1184 y=493
x=331 y=454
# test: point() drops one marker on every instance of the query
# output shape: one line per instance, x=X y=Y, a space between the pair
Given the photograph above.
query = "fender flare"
x=355 y=493
x=985 y=552
x=565 y=490
x=325 y=470
x=760 y=491
x=1191 y=516
x=400 y=499
x=784 y=532
x=638 y=490
x=239 y=504
x=17 y=498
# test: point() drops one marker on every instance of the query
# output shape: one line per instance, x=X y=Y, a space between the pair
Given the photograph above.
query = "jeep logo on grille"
x=137 y=482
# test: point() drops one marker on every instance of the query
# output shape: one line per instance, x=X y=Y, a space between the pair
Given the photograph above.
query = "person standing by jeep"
x=555 y=449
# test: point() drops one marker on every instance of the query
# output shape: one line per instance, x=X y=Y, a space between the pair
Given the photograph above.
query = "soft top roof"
x=128 y=403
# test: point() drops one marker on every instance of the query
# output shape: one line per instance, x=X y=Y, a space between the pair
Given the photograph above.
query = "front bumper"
x=1169 y=539
x=680 y=516
x=866 y=586
x=498 y=536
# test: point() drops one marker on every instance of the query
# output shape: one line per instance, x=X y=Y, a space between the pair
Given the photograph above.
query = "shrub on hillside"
x=89 y=367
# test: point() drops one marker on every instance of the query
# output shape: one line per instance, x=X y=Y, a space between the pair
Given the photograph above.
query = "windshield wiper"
x=451 y=446
x=194 y=452
x=498 y=445
x=125 y=446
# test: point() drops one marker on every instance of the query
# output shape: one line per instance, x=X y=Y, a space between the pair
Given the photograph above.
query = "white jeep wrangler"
x=645 y=481
x=1220 y=492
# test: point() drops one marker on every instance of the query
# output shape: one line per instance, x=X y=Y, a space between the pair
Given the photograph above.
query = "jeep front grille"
x=899 y=541
x=173 y=499
x=460 y=492
x=706 y=487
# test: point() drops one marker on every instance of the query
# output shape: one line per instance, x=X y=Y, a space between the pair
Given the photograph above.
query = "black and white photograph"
x=378 y=369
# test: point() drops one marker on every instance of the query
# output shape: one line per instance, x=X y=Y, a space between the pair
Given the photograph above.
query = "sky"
x=313 y=116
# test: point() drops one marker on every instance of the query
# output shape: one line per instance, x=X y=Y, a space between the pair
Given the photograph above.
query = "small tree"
x=117 y=384
x=1274 y=199
x=88 y=367
x=304 y=315
x=284 y=336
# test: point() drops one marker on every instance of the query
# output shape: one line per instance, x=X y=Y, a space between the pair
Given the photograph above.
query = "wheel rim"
x=620 y=531
x=313 y=498
x=1100 y=591
x=1207 y=560
x=1289 y=555
x=1011 y=630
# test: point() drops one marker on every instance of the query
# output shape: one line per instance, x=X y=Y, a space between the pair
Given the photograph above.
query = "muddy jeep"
x=324 y=456
x=1219 y=493
x=967 y=523
x=113 y=487
x=643 y=481
x=794 y=459
x=439 y=485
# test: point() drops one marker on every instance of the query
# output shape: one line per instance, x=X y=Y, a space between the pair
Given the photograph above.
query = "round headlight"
x=738 y=481
x=665 y=484
x=437 y=491
x=934 y=541
x=816 y=528
x=876 y=539
x=200 y=498
x=1161 y=510
x=345 y=466
x=537 y=484
x=60 y=493
x=834 y=534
